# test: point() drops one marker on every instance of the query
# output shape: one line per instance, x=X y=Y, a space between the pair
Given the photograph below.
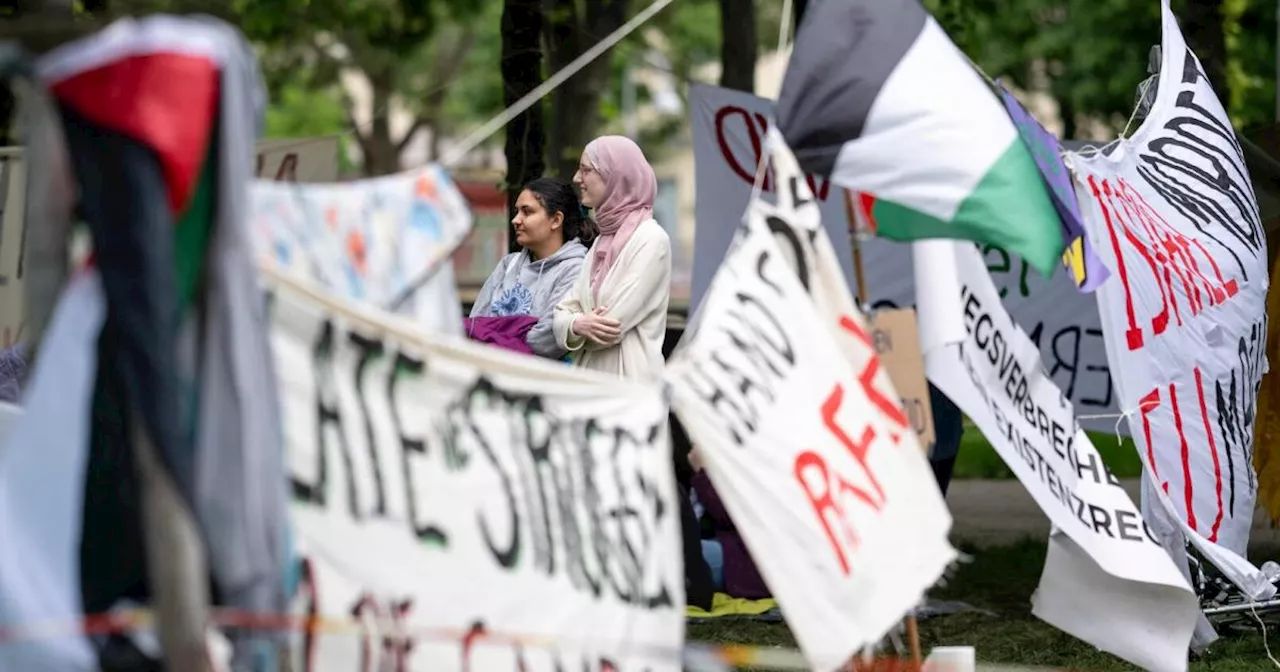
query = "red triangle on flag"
x=166 y=101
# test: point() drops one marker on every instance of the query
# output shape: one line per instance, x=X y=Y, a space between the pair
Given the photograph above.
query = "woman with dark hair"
x=515 y=306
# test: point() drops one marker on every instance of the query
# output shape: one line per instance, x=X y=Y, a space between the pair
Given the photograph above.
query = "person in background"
x=948 y=429
x=614 y=319
x=732 y=569
x=515 y=306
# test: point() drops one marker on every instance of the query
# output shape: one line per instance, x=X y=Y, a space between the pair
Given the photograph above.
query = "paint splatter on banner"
x=366 y=240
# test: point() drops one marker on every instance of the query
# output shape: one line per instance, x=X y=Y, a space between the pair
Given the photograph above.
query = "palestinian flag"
x=877 y=98
x=159 y=118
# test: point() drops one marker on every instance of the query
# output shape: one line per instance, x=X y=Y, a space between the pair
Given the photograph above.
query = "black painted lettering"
x=1127 y=525
x=406 y=367
x=1101 y=520
x=369 y=349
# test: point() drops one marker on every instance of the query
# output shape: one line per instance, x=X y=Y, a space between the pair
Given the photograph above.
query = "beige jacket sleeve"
x=571 y=306
x=643 y=285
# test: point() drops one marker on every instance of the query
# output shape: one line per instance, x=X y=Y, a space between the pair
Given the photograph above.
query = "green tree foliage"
x=1090 y=55
x=1250 y=27
x=409 y=51
x=298 y=111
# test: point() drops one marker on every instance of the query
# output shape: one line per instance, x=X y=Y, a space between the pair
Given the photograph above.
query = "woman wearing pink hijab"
x=615 y=318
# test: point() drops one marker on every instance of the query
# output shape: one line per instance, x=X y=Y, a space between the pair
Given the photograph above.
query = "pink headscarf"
x=629 y=189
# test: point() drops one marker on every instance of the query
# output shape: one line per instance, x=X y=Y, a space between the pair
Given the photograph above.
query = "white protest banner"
x=837 y=506
x=496 y=511
x=1107 y=579
x=1185 y=314
x=369 y=240
x=298 y=159
x=729 y=129
x=796 y=222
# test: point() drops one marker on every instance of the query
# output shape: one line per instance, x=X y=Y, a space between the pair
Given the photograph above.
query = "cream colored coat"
x=637 y=290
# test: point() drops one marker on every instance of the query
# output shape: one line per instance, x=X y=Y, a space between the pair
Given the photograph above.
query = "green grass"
x=1002 y=580
x=977 y=459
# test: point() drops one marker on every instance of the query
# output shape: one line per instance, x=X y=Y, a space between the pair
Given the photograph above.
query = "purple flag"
x=1085 y=267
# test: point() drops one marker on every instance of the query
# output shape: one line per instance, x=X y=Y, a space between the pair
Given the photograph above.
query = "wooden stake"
x=913 y=638
x=913 y=628
x=857 y=250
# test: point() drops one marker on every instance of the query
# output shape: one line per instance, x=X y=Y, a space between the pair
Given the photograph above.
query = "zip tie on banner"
x=1120 y=417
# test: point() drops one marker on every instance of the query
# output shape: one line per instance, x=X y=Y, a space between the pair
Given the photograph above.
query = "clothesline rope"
x=693 y=655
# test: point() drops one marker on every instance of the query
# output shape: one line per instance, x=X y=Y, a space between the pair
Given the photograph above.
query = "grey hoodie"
x=522 y=286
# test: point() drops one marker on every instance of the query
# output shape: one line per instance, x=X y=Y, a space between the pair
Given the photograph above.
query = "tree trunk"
x=575 y=105
x=522 y=23
x=1202 y=24
x=738 y=45
x=51 y=15
x=1069 y=129
x=381 y=151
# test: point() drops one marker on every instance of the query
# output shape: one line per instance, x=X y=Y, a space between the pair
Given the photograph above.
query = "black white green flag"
x=878 y=98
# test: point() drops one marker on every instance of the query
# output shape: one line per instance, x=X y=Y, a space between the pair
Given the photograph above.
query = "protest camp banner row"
x=1101 y=549
x=286 y=159
x=478 y=508
x=729 y=130
x=779 y=385
x=1184 y=316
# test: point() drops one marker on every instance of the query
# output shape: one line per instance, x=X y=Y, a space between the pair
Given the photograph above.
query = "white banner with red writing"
x=808 y=447
x=1184 y=314
x=729 y=130
x=1107 y=579
x=476 y=508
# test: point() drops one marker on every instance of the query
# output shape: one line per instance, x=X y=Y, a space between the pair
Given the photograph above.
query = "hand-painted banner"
x=833 y=498
x=729 y=130
x=1107 y=580
x=1185 y=323
x=475 y=493
x=796 y=223
x=1081 y=262
x=369 y=240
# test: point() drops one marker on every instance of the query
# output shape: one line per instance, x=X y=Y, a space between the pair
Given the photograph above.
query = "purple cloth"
x=741 y=578
x=505 y=332
x=13 y=368
x=1087 y=270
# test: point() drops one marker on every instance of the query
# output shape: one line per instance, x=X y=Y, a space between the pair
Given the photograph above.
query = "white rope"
x=757 y=186
x=1253 y=609
x=784 y=26
x=490 y=127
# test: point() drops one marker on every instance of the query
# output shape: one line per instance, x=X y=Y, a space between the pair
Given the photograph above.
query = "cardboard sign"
x=897 y=342
x=298 y=159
